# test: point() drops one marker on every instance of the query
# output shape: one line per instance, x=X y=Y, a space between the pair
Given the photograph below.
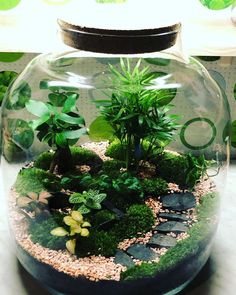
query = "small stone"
x=172 y=226
x=160 y=240
x=124 y=259
x=173 y=216
x=141 y=252
x=179 y=202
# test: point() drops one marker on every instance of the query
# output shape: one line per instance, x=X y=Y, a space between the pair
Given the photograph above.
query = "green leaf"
x=57 y=99
x=37 y=108
x=98 y=198
x=71 y=120
x=60 y=139
x=21 y=134
x=56 y=85
x=74 y=134
x=83 y=209
x=36 y=123
x=100 y=129
x=92 y=204
x=20 y=96
x=77 y=198
x=70 y=103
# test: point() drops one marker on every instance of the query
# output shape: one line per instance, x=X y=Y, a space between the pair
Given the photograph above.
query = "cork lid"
x=120 y=29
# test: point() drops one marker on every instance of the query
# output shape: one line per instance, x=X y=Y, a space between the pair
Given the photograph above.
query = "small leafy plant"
x=196 y=167
x=33 y=201
x=74 y=226
x=59 y=125
x=87 y=201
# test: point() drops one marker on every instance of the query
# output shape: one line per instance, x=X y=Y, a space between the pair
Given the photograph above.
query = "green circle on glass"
x=8 y=4
x=187 y=124
x=217 y=4
x=10 y=56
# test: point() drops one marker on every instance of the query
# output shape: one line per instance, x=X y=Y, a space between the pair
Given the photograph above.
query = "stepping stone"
x=124 y=259
x=141 y=252
x=173 y=216
x=160 y=240
x=172 y=226
x=179 y=202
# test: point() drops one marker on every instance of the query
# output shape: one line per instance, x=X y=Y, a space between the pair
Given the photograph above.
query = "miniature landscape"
x=121 y=206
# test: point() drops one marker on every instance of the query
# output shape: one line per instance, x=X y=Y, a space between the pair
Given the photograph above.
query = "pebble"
x=141 y=252
x=179 y=201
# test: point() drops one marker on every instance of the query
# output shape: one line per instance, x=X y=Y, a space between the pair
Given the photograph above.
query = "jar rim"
x=118 y=41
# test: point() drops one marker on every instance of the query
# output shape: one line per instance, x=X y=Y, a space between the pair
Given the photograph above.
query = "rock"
x=172 y=226
x=124 y=259
x=178 y=202
x=141 y=252
x=173 y=216
x=160 y=240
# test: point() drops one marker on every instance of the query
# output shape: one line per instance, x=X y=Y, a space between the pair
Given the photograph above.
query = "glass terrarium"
x=114 y=157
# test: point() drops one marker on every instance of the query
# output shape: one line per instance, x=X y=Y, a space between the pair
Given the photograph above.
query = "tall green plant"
x=138 y=110
x=59 y=124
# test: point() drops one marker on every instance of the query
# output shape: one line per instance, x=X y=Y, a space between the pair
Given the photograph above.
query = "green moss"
x=117 y=150
x=40 y=233
x=138 y=219
x=154 y=187
x=80 y=156
x=101 y=217
x=111 y=166
x=199 y=232
x=35 y=180
x=44 y=160
x=98 y=243
x=171 y=167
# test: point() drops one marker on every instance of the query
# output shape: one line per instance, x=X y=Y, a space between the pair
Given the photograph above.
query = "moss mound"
x=98 y=243
x=35 y=180
x=154 y=187
x=80 y=156
x=138 y=219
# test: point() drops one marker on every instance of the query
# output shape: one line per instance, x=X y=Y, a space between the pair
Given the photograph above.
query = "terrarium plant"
x=59 y=124
x=138 y=113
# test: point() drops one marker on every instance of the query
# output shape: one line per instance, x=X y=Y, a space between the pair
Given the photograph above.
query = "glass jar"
x=114 y=158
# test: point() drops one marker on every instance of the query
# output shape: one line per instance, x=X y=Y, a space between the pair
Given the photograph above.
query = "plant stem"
x=62 y=159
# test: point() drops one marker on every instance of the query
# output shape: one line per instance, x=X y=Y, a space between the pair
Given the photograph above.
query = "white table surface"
x=218 y=278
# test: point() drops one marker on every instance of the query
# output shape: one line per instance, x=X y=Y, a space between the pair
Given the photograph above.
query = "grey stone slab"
x=160 y=240
x=172 y=226
x=173 y=216
x=178 y=202
x=124 y=259
x=142 y=252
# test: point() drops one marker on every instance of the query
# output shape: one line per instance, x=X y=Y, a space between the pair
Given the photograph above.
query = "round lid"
x=120 y=28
